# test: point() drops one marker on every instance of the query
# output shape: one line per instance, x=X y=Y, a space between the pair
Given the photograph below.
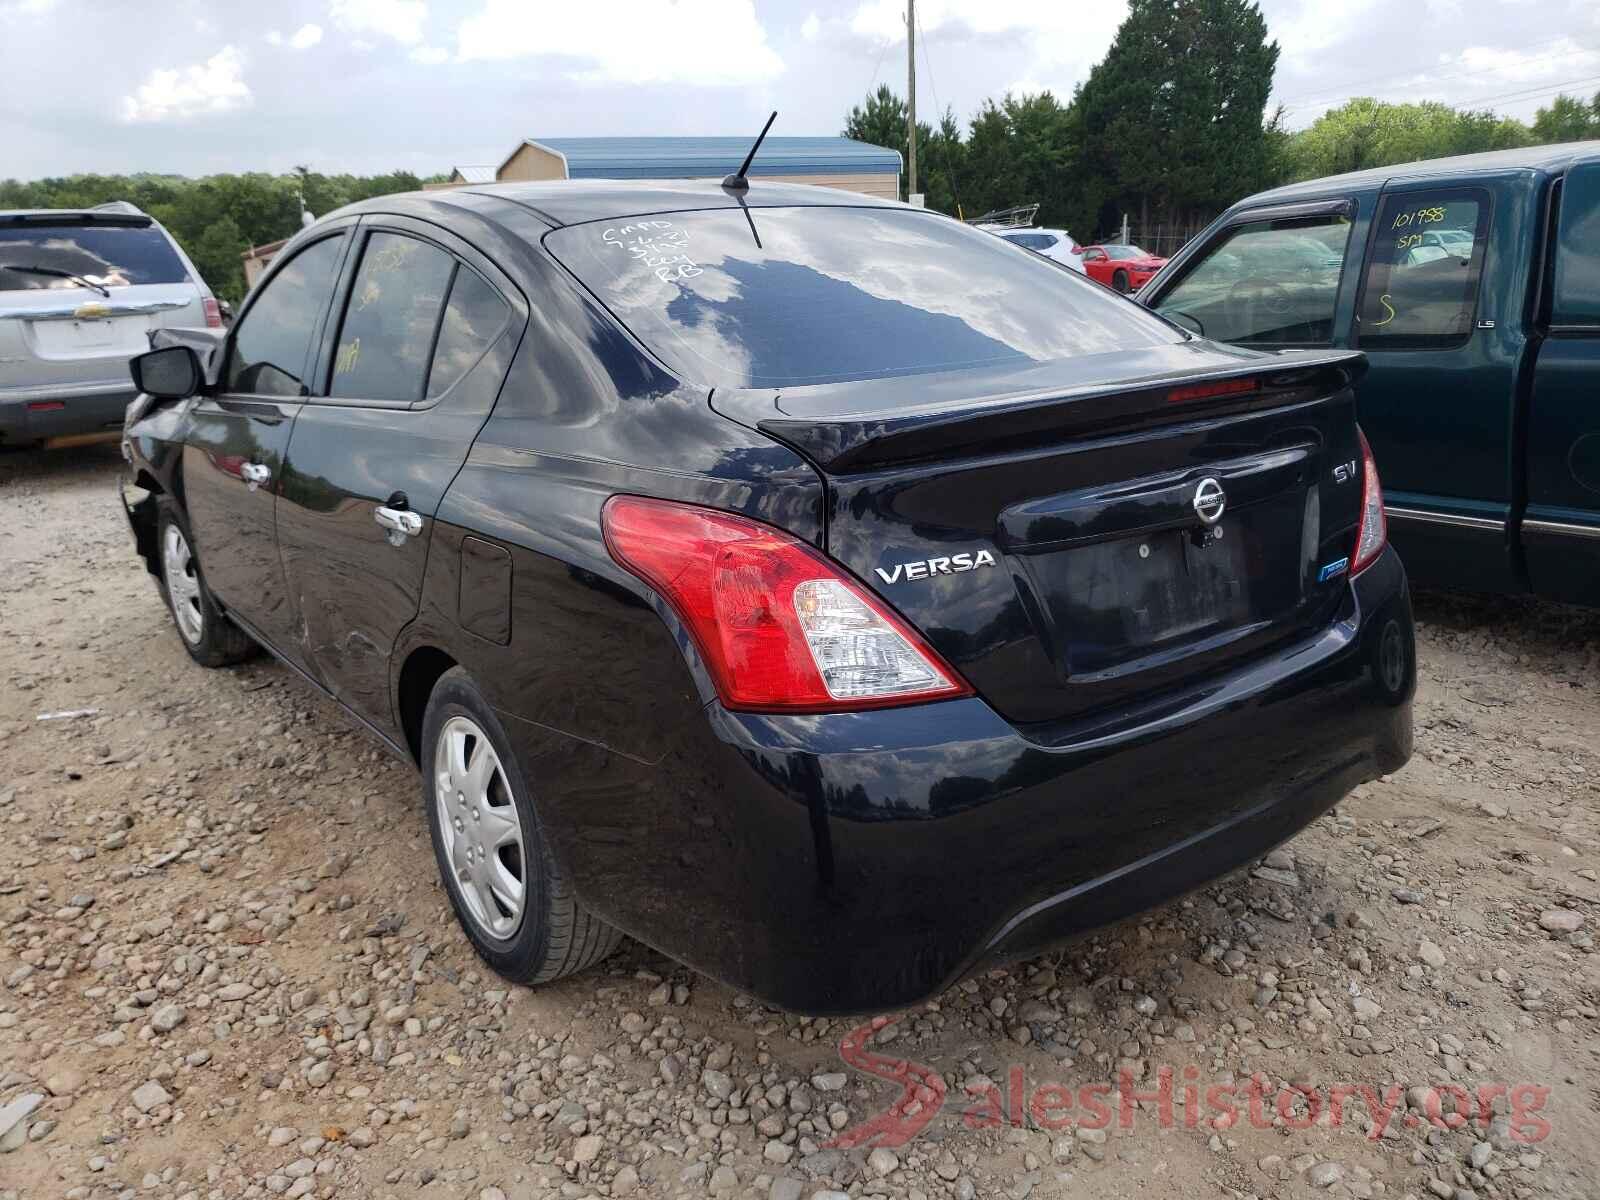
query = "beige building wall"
x=531 y=163
x=884 y=187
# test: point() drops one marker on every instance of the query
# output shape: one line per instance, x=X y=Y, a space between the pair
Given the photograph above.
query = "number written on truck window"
x=1420 y=284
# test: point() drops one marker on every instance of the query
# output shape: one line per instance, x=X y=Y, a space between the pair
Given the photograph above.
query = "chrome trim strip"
x=1563 y=528
x=1438 y=518
x=108 y=311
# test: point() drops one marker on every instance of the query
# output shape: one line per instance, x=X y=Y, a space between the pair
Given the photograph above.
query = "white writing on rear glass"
x=659 y=245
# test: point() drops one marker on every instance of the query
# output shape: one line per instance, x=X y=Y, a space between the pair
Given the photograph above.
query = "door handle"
x=255 y=474
x=400 y=523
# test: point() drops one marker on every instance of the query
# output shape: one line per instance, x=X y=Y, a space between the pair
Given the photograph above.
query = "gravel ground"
x=226 y=969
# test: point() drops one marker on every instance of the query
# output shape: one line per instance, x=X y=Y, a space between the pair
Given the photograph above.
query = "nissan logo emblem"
x=1209 y=501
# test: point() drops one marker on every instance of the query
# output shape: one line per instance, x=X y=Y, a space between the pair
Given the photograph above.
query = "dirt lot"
x=226 y=968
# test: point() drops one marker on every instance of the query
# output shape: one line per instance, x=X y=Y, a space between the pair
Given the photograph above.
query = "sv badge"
x=922 y=568
x=1344 y=472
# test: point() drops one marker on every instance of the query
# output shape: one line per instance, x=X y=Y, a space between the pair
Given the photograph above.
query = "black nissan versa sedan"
x=830 y=595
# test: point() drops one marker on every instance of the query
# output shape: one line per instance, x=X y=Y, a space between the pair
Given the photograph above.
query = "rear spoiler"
x=846 y=428
x=131 y=220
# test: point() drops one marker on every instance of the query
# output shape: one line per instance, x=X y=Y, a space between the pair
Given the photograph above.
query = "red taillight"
x=1204 y=391
x=1372 y=534
x=46 y=405
x=213 y=313
x=779 y=626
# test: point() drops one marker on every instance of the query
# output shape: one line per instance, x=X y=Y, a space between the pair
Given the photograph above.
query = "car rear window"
x=784 y=297
x=110 y=255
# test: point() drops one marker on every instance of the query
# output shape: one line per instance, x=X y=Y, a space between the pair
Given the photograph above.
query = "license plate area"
x=1119 y=605
x=72 y=338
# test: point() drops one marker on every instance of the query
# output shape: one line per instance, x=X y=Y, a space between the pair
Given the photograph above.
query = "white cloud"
x=214 y=86
x=274 y=38
x=1556 y=62
x=680 y=41
x=1060 y=41
x=810 y=27
x=430 y=55
x=401 y=20
x=306 y=36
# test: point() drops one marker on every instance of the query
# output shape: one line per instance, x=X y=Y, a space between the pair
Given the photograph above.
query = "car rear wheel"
x=1120 y=281
x=210 y=638
x=516 y=907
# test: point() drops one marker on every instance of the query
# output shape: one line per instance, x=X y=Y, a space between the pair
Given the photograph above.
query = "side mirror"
x=170 y=373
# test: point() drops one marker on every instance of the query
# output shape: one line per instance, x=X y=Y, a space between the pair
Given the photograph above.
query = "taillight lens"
x=780 y=627
x=1372 y=534
x=213 y=313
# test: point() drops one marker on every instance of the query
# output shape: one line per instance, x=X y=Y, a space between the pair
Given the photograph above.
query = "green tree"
x=881 y=121
x=216 y=218
x=1568 y=119
x=1172 y=119
x=1365 y=133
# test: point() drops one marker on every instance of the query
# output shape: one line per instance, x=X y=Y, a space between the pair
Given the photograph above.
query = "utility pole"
x=911 y=93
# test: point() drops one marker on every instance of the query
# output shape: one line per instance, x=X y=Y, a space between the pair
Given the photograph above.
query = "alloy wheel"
x=481 y=829
x=183 y=585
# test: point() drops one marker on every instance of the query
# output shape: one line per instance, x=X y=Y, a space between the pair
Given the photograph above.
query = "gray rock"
x=883 y=1161
x=151 y=1095
x=586 y=1149
x=1481 y=1153
x=1430 y=953
x=1325 y=1174
x=784 y=1188
x=167 y=1018
x=14 y=1120
x=1561 y=920
x=716 y=1083
x=833 y=1081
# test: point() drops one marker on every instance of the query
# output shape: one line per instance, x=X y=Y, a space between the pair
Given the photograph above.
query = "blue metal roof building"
x=829 y=161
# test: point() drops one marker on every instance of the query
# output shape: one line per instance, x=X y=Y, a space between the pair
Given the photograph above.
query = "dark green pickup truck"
x=1473 y=286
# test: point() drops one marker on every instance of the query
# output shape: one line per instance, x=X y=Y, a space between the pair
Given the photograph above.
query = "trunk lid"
x=1092 y=532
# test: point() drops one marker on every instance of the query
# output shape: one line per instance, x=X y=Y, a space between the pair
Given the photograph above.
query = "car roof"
x=1525 y=158
x=571 y=201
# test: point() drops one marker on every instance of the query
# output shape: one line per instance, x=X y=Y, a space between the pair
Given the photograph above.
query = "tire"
x=210 y=638
x=487 y=837
x=1120 y=282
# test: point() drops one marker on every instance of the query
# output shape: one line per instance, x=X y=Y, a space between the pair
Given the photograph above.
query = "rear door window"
x=391 y=319
x=1268 y=282
x=1575 y=302
x=473 y=318
x=270 y=346
x=782 y=297
x=1420 y=286
x=43 y=256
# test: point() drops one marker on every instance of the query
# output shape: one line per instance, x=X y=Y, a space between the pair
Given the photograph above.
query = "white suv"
x=1052 y=243
x=80 y=291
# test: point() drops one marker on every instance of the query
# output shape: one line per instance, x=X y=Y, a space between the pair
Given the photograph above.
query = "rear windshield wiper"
x=56 y=273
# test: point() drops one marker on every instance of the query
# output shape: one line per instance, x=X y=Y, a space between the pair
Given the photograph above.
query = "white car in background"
x=80 y=292
x=1055 y=244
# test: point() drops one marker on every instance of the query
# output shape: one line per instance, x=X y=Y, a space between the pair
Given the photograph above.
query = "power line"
x=1312 y=99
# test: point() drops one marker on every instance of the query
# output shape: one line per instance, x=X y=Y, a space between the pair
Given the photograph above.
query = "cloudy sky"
x=371 y=85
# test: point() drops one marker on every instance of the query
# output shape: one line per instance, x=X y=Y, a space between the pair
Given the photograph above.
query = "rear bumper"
x=861 y=862
x=35 y=414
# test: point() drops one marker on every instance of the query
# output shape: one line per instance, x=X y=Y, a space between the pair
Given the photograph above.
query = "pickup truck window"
x=1420 y=289
x=1576 y=302
x=1265 y=282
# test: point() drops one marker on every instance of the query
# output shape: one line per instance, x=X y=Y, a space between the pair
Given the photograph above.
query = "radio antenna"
x=737 y=181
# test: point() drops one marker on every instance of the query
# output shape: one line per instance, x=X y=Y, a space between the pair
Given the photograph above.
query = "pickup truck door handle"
x=400 y=523
x=255 y=474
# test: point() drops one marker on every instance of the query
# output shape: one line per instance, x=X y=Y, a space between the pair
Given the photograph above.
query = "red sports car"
x=1123 y=267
